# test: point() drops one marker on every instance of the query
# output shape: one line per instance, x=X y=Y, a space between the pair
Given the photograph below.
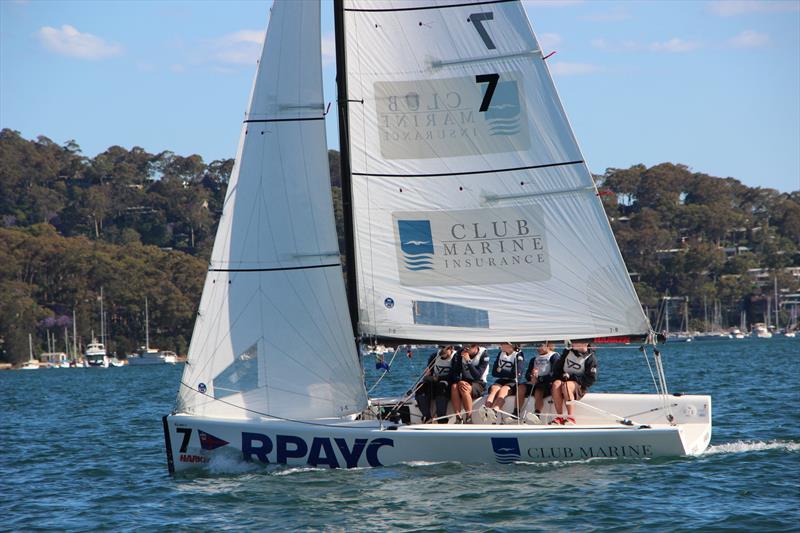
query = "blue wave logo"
x=416 y=243
x=506 y=449
x=503 y=115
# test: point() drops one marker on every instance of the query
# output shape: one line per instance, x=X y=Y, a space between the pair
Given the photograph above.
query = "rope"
x=391 y=361
x=413 y=390
x=267 y=414
x=622 y=419
x=643 y=349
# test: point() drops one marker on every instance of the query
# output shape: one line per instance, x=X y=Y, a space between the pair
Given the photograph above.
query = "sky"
x=711 y=84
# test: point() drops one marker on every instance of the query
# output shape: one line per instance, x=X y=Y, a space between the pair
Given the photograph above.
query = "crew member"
x=472 y=366
x=576 y=372
x=507 y=369
x=435 y=385
x=539 y=377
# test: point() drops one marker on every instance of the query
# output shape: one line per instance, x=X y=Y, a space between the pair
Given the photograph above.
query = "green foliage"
x=690 y=234
x=141 y=224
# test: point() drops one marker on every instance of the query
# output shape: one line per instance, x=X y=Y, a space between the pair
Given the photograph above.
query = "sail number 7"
x=492 y=80
x=477 y=20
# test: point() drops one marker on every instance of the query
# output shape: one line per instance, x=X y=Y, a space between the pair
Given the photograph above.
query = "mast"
x=74 y=337
x=686 y=314
x=146 y=326
x=344 y=162
x=777 y=307
x=102 y=320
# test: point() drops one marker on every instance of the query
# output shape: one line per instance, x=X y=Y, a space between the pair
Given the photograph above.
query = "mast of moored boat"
x=146 y=327
x=74 y=338
x=777 y=308
x=344 y=162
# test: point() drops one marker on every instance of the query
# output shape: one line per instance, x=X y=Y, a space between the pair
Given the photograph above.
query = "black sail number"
x=187 y=434
x=477 y=20
x=492 y=80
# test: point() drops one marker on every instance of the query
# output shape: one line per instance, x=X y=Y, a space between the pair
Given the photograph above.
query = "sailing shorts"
x=478 y=387
x=511 y=383
x=545 y=387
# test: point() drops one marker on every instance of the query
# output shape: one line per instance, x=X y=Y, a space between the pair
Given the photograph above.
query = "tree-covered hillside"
x=139 y=224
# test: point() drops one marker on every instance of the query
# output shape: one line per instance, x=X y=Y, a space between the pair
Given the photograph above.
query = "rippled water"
x=82 y=449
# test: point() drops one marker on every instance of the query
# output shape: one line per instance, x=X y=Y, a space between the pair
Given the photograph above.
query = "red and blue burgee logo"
x=209 y=441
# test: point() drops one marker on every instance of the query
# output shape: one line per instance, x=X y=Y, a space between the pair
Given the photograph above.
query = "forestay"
x=475 y=215
x=273 y=332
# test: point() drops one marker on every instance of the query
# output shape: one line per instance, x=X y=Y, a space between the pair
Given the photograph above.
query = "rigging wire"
x=283 y=418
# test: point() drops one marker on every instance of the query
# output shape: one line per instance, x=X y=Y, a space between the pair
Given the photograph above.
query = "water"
x=82 y=449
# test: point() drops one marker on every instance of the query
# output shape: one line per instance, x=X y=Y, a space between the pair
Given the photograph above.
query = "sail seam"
x=491 y=171
x=273 y=269
x=256 y=120
x=418 y=8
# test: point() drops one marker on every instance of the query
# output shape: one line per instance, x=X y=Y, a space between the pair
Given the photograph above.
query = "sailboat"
x=682 y=335
x=470 y=217
x=146 y=355
x=32 y=363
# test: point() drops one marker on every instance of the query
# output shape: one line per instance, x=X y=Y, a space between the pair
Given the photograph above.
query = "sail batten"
x=273 y=334
x=475 y=215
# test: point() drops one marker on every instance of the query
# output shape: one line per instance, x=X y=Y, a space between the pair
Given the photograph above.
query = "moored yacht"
x=95 y=354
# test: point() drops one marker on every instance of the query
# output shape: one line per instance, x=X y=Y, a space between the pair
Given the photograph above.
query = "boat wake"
x=752 y=446
x=227 y=464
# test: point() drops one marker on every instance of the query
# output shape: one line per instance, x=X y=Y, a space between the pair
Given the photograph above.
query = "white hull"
x=339 y=443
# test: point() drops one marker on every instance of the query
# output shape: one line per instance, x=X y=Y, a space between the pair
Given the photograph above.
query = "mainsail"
x=273 y=334
x=475 y=216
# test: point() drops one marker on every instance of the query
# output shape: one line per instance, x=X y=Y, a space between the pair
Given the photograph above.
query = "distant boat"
x=678 y=336
x=713 y=331
x=95 y=354
x=146 y=354
x=760 y=331
x=32 y=363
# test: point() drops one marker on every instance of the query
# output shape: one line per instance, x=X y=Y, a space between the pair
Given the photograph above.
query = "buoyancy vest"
x=575 y=364
x=542 y=365
x=476 y=362
x=442 y=367
x=507 y=365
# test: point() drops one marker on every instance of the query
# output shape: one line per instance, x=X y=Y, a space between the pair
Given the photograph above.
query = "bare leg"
x=465 y=390
x=522 y=391
x=570 y=394
x=492 y=393
x=500 y=399
x=558 y=397
x=538 y=400
x=455 y=398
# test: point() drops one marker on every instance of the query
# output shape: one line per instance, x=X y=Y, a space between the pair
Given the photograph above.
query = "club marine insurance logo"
x=503 y=116
x=471 y=246
x=422 y=119
x=506 y=449
x=416 y=244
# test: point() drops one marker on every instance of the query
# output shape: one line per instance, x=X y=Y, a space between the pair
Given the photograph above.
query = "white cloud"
x=749 y=39
x=561 y=68
x=328 y=49
x=675 y=45
x=548 y=41
x=238 y=48
x=69 y=41
x=730 y=8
